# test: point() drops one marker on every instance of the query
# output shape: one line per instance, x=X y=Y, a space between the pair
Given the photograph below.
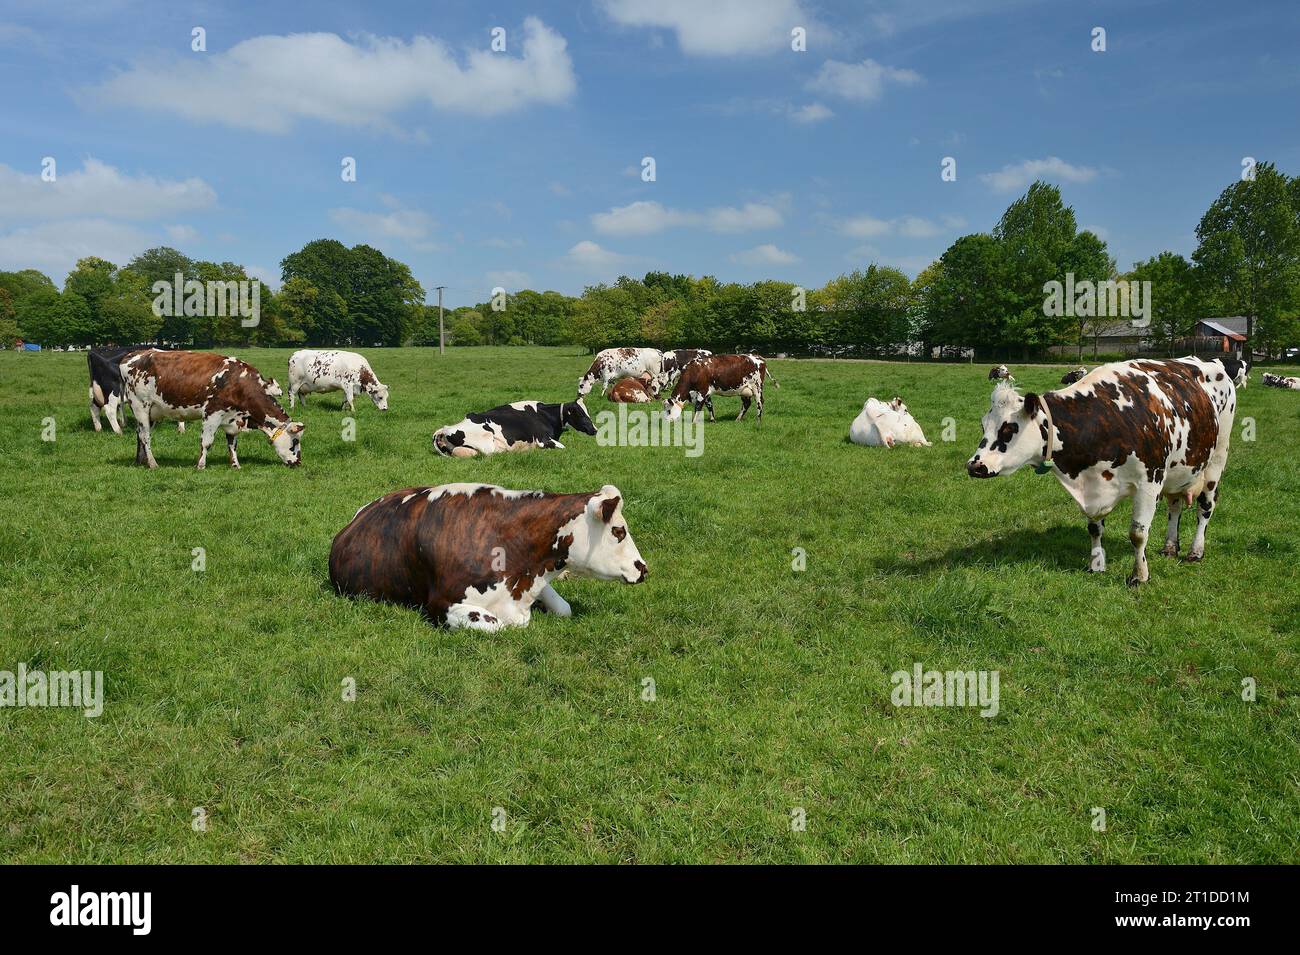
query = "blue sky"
x=522 y=168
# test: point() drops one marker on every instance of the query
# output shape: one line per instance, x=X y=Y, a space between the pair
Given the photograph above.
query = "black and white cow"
x=519 y=426
x=479 y=556
x=1070 y=377
x=1281 y=381
x=670 y=367
x=999 y=373
x=1143 y=429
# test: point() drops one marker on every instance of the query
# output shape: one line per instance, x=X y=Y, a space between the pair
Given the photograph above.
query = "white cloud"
x=1019 y=175
x=182 y=234
x=646 y=218
x=590 y=256
x=766 y=254
x=269 y=277
x=406 y=225
x=908 y=227
x=719 y=27
x=268 y=83
x=97 y=190
x=560 y=189
x=511 y=280
x=863 y=82
x=55 y=247
x=811 y=113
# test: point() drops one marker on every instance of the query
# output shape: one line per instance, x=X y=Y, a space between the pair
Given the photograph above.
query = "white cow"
x=316 y=371
x=884 y=425
x=615 y=363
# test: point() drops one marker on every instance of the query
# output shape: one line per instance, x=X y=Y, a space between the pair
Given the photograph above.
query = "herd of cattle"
x=479 y=556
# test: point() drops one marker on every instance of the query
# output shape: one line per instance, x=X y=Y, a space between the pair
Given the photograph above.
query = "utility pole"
x=442 y=335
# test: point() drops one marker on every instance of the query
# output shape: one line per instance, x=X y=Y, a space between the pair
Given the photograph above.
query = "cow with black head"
x=519 y=426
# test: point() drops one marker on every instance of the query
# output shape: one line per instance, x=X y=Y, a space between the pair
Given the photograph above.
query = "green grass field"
x=223 y=687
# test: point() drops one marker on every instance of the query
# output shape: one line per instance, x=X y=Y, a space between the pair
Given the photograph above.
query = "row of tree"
x=985 y=292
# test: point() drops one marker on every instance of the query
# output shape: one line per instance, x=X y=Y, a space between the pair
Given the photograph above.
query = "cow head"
x=273 y=389
x=1012 y=437
x=286 y=438
x=602 y=546
x=585 y=384
x=574 y=415
x=378 y=393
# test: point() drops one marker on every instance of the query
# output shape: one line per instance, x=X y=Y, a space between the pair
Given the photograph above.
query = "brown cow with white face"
x=227 y=394
x=741 y=375
x=635 y=391
x=478 y=555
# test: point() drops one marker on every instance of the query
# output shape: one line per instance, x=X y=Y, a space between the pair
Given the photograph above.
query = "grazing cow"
x=741 y=375
x=477 y=555
x=1281 y=381
x=637 y=391
x=519 y=426
x=880 y=424
x=225 y=393
x=615 y=363
x=1142 y=429
x=106 y=384
x=312 y=372
x=1000 y=373
x=1070 y=377
x=672 y=364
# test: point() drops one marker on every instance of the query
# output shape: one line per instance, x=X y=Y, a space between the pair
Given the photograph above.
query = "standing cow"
x=615 y=363
x=670 y=367
x=519 y=426
x=312 y=372
x=225 y=393
x=479 y=556
x=703 y=378
x=1142 y=429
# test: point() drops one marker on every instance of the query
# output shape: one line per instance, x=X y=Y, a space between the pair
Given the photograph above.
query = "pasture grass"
x=772 y=686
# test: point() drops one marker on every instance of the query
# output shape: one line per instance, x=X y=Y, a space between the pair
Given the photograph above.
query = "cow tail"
x=768 y=371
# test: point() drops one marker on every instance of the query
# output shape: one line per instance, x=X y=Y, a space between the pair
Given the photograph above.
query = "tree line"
x=985 y=292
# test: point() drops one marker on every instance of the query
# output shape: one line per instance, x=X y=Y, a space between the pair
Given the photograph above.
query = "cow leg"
x=293 y=396
x=231 y=438
x=699 y=409
x=1145 y=503
x=554 y=603
x=94 y=411
x=1205 y=502
x=472 y=618
x=143 y=434
x=347 y=399
x=708 y=401
x=180 y=427
x=744 y=406
x=205 y=441
x=758 y=399
x=1097 y=564
x=1171 y=531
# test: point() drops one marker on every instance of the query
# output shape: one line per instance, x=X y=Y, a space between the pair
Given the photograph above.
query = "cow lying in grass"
x=519 y=426
x=479 y=556
x=1143 y=429
x=636 y=391
x=1281 y=381
x=884 y=425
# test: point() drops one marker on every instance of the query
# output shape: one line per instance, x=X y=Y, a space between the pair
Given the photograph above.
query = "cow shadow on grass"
x=1062 y=547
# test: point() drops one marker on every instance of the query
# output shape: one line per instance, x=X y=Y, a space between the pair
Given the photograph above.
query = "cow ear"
x=604 y=502
x=296 y=427
x=1031 y=404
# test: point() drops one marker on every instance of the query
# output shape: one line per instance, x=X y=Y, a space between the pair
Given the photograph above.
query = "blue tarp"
x=28 y=346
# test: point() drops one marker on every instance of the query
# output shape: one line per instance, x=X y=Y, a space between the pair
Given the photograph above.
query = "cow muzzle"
x=642 y=570
x=978 y=469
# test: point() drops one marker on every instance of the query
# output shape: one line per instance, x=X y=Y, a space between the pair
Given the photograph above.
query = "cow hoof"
x=200 y=467
x=1193 y=558
x=1135 y=581
x=235 y=467
x=1171 y=550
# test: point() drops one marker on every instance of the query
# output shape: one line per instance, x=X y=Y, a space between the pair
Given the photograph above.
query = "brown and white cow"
x=1143 y=429
x=636 y=391
x=670 y=367
x=225 y=393
x=741 y=375
x=479 y=556
x=615 y=363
